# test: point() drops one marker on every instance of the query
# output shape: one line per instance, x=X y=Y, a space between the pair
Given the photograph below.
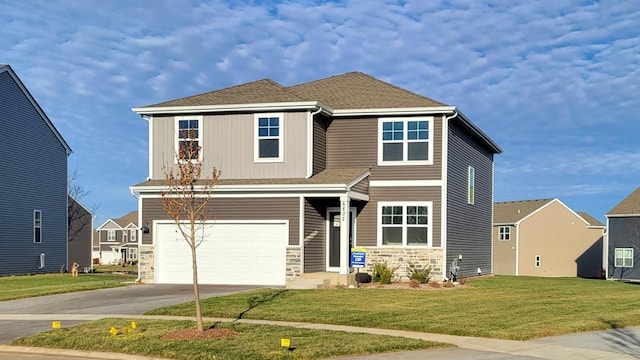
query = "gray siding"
x=320 y=124
x=624 y=232
x=468 y=226
x=235 y=209
x=228 y=144
x=315 y=232
x=367 y=221
x=354 y=143
x=34 y=177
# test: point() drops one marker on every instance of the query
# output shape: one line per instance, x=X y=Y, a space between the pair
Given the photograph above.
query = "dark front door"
x=334 y=237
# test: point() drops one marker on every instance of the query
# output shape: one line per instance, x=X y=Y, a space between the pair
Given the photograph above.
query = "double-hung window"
x=132 y=238
x=268 y=139
x=404 y=223
x=111 y=235
x=624 y=257
x=125 y=235
x=405 y=141
x=188 y=138
x=504 y=233
x=37 y=226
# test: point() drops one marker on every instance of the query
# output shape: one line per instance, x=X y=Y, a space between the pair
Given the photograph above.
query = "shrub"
x=419 y=273
x=383 y=273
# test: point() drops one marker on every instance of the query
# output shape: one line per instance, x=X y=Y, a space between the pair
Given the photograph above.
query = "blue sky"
x=555 y=83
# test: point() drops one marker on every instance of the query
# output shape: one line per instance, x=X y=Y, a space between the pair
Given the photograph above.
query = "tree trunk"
x=196 y=289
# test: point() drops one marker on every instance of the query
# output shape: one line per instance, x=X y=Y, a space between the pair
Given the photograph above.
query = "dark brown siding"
x=354 y=143
x=81 y=229
x=367 y=219
x=362 y=186
x=315 y=211
x=469 y=225
x=320 y=124
x=235 y=209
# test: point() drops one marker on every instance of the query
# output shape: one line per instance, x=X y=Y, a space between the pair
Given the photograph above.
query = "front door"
x=334 y=238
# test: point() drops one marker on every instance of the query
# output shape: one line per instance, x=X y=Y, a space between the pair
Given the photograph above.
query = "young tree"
x=186 y=199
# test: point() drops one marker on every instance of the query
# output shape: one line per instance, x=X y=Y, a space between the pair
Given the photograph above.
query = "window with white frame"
x=188 y=141
x=624 y=257
x=111 y=235
x=471 y=185
x=404 y=223
x=537 y=261
x=133 y=235
x=268 y=138
x=133 y=253
x=504 y=233
x=37 y=226
x=125 y=235
x=405 y=141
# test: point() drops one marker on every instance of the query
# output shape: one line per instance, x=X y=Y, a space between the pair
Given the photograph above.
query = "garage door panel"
x=230 y=253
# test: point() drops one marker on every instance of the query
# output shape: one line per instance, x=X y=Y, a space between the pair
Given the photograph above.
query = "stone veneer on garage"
x=402 y=256
x=294 y=263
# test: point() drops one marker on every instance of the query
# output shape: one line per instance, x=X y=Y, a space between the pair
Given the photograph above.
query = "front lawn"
x=17 y=287
x=251 y=342
x=505 y=307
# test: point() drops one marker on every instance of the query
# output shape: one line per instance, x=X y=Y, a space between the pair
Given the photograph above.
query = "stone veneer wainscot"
x=402 y=256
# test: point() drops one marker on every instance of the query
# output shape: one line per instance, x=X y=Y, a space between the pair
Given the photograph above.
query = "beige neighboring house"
x=118 y=239
x=546 y=238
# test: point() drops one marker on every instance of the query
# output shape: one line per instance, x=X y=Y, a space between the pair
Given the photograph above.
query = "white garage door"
x=232 y=253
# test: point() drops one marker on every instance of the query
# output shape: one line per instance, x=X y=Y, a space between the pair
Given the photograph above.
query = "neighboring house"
x=622 y=243
x=118 y=239
x=33 y=185
x=80 y=234
x=545 y=238
x=311 y=170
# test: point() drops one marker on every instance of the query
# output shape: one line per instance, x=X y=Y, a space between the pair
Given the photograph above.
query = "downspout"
x=444 y=188
x=310 y=116
x=139 y=235
x=517 y=247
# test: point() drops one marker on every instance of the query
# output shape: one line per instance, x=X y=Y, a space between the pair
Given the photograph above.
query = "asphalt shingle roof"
x=628 y=206
x=127 y=219
x=510 y=212
x=590 y=219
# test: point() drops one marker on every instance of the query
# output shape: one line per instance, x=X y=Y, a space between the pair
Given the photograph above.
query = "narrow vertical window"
x=125 y=234
x=471 y=193
x=537 y=261
x=133 y=235
x=37 y=226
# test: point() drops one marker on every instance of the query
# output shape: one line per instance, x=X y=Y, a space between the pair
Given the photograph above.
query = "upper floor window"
x=405 y=141
x=404 y=223
x=133 y=235
x=268 y=138
x=471 y=190
x=504 y=233
x=125 y=235
x=111 y=235
x=188 y=141
x=37 y=226
x=624 y=257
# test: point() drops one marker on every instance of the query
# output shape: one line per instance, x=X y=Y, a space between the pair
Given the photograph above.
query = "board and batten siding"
x=624 y=232
x=228 y=144
x=367 y=221
x=353 y=142
x=235 y=209
x=315 y=234
x=469 y=226
x=34 y=177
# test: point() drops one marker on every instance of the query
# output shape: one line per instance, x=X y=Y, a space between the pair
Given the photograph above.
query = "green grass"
x=107 y=269
x=253 y=342
x=18 y=287
x=518 y=308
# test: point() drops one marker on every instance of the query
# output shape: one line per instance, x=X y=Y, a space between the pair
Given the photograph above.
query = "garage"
x=238 y=253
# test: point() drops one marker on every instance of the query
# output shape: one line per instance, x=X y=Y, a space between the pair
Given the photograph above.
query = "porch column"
x=344 y=234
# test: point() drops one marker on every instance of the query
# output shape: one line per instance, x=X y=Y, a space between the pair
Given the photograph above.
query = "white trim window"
x=268 y=137
x=132 y=238
x=471 y=186
x=404 y=223
x=504 y=233
x=37 y=226
x=111 y=235
x=405 y=141
x=538 y=261
x=624 y=257
x=189 y=137
x=125 y=235
x=133 y=253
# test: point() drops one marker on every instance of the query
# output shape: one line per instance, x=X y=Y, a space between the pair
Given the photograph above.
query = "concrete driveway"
x=129 y=300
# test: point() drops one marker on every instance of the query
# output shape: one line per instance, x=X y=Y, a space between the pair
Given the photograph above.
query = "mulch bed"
x=193 y=334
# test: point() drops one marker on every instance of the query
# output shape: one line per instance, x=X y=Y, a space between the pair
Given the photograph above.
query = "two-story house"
x=118 y=239
x=80 y=234
x=33 y=184
x=622 y=243
x=311 y=170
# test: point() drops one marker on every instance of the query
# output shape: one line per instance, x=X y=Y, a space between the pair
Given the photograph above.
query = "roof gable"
x=130 y=218
x=628 y=206
x=7 y=69
x=511 y=212
x=109 y=225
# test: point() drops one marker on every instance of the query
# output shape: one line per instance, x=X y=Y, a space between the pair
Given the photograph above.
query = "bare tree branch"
x=77 y=218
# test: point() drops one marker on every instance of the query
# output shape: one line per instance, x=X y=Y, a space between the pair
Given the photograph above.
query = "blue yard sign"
x=358 y=257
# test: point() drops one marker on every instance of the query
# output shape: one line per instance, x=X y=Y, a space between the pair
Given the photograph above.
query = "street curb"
x=82 y=354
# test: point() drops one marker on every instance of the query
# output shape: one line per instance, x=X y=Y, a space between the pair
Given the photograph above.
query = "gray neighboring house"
x=80 y=235
x=118 y=239
x=33 y=185
x=310 y=171
x=622 y=243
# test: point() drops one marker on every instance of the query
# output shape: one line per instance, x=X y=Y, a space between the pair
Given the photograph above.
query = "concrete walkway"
x=468 y=347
